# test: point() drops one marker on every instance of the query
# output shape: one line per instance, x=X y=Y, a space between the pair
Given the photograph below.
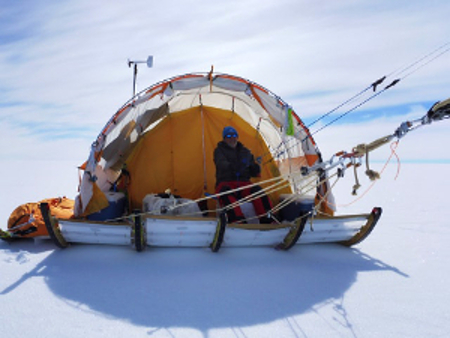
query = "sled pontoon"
x=167 y=231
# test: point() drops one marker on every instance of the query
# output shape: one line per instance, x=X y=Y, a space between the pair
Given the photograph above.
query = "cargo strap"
x=15 y=227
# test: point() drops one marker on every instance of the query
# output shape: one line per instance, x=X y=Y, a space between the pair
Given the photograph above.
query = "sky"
x=64 y=70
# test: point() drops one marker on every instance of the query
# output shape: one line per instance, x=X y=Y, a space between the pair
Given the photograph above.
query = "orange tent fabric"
x=178 y=154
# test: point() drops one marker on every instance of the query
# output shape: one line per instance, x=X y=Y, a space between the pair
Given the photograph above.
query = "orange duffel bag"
x=27 y=221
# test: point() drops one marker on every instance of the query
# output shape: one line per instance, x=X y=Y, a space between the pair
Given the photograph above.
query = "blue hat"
x=229 y=131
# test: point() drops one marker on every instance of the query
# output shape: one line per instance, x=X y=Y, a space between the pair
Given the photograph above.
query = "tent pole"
x=134 y=79
x=205 y=180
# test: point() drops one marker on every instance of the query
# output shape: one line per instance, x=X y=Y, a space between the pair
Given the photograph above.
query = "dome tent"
x=165 y=136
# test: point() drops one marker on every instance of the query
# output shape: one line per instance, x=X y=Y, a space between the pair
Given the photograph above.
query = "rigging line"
x=373 y=85
x=248 y=198
x=443 y=49
x=285 y=202
x=267 y=190
x=324 y=198
x=284 y=179
x=214 y=196
x=426 y=63
x=394 y=146
x=274 y=209
x=253 y=197
x=379 y=81
x=411 y=65
x=393 y=83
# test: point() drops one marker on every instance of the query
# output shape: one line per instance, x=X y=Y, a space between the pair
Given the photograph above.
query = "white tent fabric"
x=260 y=108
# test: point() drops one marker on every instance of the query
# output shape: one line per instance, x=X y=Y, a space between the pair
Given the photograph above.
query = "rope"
x=259 y=194
x=267 y=190
x=355 y=107
x=284 y=181
x=213 y=196
x=255 y=195
x=357 y=185
x=445 y=47
x=415 y=66
x=393 y=153
x=394 y=146
x=373 y=85
x=322 y=199
x=295 y=196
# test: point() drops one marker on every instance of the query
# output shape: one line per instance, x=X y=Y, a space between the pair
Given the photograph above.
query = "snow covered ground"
x=394 y=284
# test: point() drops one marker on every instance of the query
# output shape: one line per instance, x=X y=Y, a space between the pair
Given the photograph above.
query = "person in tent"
x=235 y=165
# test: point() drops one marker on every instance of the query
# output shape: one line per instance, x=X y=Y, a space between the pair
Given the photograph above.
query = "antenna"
x=149 y=63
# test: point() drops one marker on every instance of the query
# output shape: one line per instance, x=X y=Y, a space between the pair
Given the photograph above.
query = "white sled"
x=169 y=231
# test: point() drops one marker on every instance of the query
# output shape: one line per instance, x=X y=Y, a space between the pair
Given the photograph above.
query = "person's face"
x=231 y=140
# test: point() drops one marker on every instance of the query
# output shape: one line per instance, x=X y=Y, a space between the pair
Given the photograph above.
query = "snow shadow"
x=195 y=288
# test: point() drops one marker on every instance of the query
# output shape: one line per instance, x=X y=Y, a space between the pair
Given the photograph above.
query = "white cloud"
x=70 y=70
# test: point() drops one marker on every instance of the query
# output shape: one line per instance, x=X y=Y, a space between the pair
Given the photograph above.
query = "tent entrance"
x=177 y=154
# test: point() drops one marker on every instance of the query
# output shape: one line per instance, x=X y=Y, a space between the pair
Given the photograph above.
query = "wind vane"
x=149 y=63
